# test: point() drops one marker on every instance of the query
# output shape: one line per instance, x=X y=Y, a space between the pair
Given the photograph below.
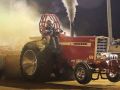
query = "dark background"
x=91 y=16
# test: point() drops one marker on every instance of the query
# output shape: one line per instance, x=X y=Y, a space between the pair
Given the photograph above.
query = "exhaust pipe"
x=109 y=21
x=71 y=29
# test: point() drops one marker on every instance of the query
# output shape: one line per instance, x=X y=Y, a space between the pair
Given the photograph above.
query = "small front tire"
x=113 y=77
x=82 y=73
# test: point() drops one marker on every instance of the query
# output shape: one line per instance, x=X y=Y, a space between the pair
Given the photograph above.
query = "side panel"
x=78 y=48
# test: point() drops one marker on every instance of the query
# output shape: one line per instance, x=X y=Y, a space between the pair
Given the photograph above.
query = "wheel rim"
x=80 y=73
x=29 y=62
x=112 y=75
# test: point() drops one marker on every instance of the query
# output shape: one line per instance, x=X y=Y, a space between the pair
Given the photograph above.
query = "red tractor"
x=68 y=57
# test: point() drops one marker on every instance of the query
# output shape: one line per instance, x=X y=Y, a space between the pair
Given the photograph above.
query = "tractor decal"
x=85 y=44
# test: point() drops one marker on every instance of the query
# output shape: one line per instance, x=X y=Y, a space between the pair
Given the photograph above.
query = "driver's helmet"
x=49 y=23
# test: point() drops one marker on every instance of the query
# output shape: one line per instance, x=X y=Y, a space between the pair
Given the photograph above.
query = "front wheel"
x=82 y=73
x=113 y=77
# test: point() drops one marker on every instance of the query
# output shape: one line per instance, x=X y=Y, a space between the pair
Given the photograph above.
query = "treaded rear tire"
x=43 y=70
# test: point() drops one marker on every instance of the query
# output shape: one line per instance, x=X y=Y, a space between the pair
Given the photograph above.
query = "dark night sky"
x=91 y=16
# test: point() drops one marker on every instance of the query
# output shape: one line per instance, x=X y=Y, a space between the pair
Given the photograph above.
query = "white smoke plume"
x=70 y=6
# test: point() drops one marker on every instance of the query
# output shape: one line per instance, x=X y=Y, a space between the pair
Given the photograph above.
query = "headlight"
x=107 y=56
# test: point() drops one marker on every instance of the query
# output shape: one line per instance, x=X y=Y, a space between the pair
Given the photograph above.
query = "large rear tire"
x=34 y=63
x=82 y=73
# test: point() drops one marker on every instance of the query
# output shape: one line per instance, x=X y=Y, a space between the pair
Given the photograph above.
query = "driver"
x=50 y=30
x=50 y=33
x=49 y=26
x=47 y=30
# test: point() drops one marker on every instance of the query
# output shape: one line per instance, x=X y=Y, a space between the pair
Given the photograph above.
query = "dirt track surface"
x=22 y=85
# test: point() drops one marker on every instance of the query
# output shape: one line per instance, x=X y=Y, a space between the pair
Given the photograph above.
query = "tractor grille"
x=102 y=45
